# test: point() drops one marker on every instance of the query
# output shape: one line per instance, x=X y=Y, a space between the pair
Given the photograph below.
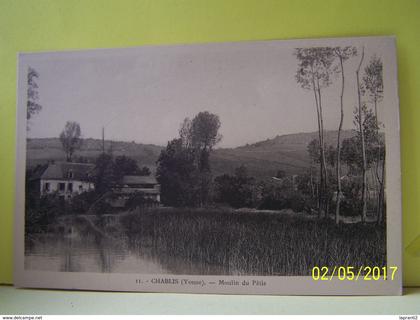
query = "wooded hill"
x=263 y=159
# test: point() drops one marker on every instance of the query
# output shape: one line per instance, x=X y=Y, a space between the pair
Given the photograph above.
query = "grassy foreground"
x=253 y=243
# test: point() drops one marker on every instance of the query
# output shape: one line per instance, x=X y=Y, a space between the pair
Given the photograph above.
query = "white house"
x=66 y=178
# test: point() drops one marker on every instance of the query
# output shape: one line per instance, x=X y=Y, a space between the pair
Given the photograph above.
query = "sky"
x=143 y=94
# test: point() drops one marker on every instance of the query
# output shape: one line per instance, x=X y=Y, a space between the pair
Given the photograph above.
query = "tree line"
x=185 y=175
x=316 y=67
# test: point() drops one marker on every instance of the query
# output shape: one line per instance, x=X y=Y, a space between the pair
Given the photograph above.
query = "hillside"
x=42 y=150
x=263 y=159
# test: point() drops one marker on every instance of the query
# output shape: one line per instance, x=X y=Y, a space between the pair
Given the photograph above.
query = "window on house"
x=61 y=186
x=70 y=187
x=70 y=174
x=47 y=186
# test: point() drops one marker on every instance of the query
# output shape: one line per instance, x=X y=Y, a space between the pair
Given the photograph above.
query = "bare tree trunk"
x=362 y=142
x=323 y=161
x=382 y=194
x=378 y=160
x=379 y=176
x=340 y=127
x=320 y=189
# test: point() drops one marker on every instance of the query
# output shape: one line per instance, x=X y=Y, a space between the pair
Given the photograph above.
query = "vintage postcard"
x=269 y=167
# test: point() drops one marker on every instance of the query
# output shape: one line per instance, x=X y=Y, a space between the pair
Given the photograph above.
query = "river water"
x=77 y=252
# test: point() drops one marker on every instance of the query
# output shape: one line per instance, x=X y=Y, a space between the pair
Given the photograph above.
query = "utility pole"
x=103 y=140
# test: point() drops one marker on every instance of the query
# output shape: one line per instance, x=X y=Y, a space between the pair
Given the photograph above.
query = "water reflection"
x=87 y=252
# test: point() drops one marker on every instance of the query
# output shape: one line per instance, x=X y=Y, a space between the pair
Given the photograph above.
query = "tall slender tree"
x=71 y=139
x=32 y=103
x=204 y=134
x=373 y=84
x=342 y=54
x=314 y=73
x=362 y=138
x=184 y=170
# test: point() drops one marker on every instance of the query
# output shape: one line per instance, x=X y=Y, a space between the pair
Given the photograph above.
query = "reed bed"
x=251 y=243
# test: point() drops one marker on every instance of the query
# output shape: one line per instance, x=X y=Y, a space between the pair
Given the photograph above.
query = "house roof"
x=60 y=170
x=133 y=191
x=37 y=172
x=130 y=180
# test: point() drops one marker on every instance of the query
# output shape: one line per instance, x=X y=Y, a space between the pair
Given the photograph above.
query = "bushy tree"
x=352 y=153
x=284 y=195
x=204 y=135
x=184 y=166
x=177 y=175
x=237 y=190
x=71 y=139
x=124 y=165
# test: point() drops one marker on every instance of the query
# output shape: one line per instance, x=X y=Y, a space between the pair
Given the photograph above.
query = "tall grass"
x=251 y=243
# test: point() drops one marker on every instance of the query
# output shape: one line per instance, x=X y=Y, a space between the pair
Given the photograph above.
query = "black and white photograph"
x=218 y=164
